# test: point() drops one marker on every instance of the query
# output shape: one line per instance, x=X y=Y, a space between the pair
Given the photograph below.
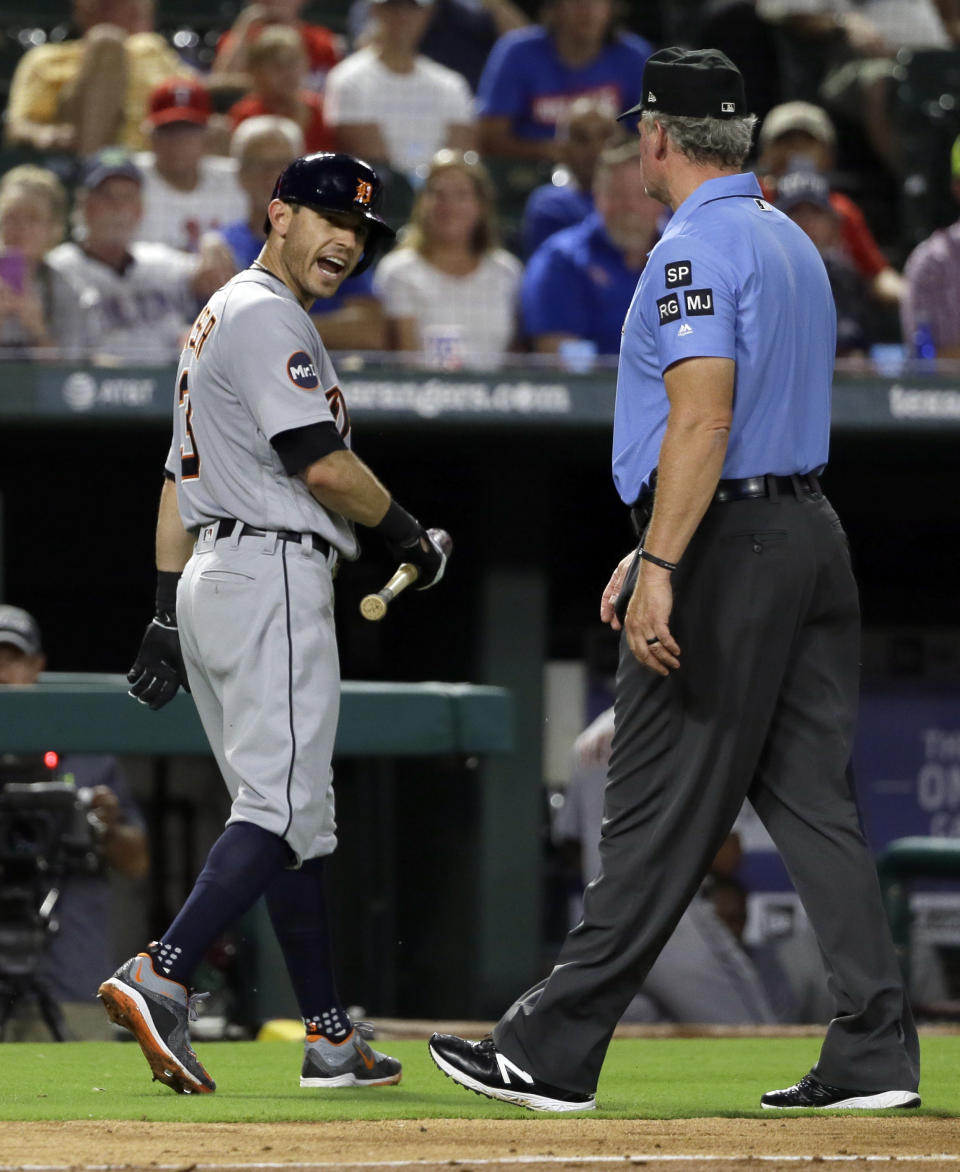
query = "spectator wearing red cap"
x=277 y=65
x=186 y=190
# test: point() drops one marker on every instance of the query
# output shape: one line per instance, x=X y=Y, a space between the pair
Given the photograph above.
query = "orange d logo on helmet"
x=364 y=192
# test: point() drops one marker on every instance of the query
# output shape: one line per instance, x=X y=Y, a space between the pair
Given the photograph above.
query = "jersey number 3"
x=189 y=456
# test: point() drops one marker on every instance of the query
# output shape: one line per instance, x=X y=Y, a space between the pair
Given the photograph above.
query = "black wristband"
x=167 y=592
x=649 y=557
x=398 y=525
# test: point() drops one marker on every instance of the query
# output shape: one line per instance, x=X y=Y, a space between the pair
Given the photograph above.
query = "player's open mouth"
x=332 y=265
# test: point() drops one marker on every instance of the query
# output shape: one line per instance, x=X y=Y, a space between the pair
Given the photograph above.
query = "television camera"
x=47 y=833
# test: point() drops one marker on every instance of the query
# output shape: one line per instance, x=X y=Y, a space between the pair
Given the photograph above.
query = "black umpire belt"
x=799 y=485
x=227 y=527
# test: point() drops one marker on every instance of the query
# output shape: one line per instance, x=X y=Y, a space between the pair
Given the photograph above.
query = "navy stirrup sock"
x=241 y=863
x=297 y=904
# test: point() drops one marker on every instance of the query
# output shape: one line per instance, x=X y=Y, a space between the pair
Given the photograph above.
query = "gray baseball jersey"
x=256 y=612
x=253 y=367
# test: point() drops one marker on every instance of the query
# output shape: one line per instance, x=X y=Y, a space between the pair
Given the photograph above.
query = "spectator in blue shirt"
x=586 y=127
x=532 y=75
x=579 y=282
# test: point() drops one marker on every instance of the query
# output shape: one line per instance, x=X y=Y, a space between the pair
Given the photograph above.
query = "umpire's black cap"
x=691 y=83
x=329 y=181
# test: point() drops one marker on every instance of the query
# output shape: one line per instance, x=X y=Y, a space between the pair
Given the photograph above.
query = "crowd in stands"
x=134 y=174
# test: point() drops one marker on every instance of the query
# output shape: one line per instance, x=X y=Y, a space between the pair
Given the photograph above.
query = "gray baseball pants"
x=763 y=706
x=258 y=638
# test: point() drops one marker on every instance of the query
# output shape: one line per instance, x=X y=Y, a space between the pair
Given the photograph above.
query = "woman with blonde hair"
x=39 y=308
x=449 y=289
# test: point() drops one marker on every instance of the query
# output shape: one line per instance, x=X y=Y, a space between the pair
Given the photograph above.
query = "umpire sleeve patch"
x=669 y=308
x=677 y=272
x=698 y=302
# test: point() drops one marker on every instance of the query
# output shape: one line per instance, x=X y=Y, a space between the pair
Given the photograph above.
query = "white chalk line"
x=493 y=1162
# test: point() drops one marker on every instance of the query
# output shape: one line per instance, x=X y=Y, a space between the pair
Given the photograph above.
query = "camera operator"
x=81 y=951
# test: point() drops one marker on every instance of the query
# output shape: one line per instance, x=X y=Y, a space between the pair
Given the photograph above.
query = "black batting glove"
x=425 y=552
x=408 y=541
x=158 y=670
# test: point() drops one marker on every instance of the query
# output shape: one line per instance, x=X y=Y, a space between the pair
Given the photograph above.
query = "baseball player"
x=261 y=497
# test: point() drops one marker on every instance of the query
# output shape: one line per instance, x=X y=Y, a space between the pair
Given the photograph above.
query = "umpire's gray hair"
x=724 y=142
x=261 y=126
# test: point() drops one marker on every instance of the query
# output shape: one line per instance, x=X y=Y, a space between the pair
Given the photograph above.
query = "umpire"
x=739 y=655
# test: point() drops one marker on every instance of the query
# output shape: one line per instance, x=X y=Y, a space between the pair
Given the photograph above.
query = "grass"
x=258 y=1082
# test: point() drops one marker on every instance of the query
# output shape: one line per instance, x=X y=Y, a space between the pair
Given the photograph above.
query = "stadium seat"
x=801 y=66
x=514 y=179
x=926 y=114
x=332 y=14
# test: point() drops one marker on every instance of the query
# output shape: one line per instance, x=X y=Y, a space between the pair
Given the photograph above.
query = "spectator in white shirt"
x=448 y=289
x=186 y=190
x=142 y=295
x=389 y=103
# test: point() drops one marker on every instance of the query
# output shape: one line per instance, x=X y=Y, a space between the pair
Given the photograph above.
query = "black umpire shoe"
x=480 y=1067
x=811 y=1092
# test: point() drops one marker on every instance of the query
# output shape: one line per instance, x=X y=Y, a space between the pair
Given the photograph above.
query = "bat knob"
x=373 y=608
x=443 y=540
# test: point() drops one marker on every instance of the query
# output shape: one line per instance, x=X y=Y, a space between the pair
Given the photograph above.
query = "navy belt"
x=800 y=484
x=228 y=526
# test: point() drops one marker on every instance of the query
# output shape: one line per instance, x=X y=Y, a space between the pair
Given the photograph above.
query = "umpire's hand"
x=158 y=670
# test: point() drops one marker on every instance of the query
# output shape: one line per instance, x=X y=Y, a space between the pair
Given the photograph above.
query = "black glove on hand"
x=408 y=541
x=426 y=553
x=158 y=670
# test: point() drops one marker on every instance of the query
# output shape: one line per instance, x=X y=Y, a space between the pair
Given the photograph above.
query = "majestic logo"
x=669 y=308
x=651 y=96
x=728 y=107
x=762 y=205
x=678 y=272
x=364 y=192
x=302 y=372
x=684 y=330
x=507 y=1067
x=699 y=302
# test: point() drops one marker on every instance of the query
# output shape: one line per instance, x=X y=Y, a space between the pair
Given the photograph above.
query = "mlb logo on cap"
x=691 y=83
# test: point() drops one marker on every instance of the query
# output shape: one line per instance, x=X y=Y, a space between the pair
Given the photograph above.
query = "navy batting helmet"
x=337 y=183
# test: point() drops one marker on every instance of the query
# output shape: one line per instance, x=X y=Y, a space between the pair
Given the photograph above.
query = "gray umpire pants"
x=763 y=706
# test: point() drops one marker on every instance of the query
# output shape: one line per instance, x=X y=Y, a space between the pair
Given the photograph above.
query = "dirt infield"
x=529 y=1144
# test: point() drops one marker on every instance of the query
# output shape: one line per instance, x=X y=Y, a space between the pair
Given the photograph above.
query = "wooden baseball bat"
x=374 y=606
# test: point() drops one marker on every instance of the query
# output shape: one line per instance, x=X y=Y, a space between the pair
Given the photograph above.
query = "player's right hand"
x=158 y=670
x=428 y=551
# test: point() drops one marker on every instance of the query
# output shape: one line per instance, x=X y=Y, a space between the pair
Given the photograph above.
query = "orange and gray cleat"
x=157 y=1011
x=350 y=1063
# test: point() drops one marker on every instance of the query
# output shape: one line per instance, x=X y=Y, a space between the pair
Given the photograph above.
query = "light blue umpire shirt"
x=731 y=277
